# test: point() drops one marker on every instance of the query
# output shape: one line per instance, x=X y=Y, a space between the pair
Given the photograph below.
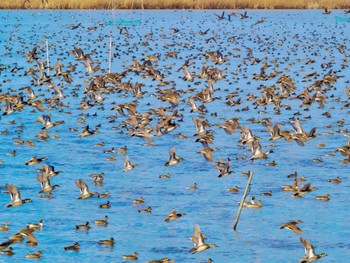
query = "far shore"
x=174 y=4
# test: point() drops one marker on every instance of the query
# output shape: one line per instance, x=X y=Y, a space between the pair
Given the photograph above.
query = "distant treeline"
x=174 y=4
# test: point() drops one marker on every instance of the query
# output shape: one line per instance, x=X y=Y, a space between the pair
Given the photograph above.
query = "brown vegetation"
x=174 y=4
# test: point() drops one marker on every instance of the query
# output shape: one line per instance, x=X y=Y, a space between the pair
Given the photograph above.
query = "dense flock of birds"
x=250 y=81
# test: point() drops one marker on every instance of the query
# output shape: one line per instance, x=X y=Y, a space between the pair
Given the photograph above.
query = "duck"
x=268 y=193
x=192 y=187
x=102 y=222
x=147 y=210
x=49 y=170
x=310 y=255
x=7 y=243
x=198 y=240
x=138 y=201
x=164 y=176
x=127 y=164
x=45 y=183
x=74 y=247
x=15 y=197
x=224 y=168
x=28 y=233
x=5 y=227
x=98 y=178
x=108 y=242
x=84 y=190
x=291 y=188
x=252 y=204
x=326 y=11
x=8 y=252
x=87 y=132
x=257 y=152
x=173 y=215
x=106 y=205
x=323 y=197
x=162 y=260
x=334 y=180
x=47 y=196
x=85 y=226
x=34 y=255
x=133 y=256
x=234 y=189
x=292 y=225
x=104 y=195
x=173 y=158
x=34 y=160
x=36 y=226
x=207 y=153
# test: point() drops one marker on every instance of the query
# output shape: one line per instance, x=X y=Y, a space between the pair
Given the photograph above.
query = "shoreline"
x=172 y=5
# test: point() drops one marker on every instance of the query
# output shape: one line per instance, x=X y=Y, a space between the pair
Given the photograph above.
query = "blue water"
x=285 y=40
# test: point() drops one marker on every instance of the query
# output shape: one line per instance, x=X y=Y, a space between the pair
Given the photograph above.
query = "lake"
x=306 y=46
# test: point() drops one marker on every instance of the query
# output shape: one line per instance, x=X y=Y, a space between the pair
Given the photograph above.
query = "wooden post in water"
x=243 y=198
x=110 y=55
x=47 y=57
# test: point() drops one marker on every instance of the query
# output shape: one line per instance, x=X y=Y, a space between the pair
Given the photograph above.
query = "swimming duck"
x=335 y=180
x=192 y=187
x=34 y=160
x=291 y=188
x=47 y=196
x=323 y=197
x=127 y=164
x=84 y=190
x=173 y=158
x=104 y=195
x=74 y=247
x=252 y=204
x=164 y=176
x=106 y=205
x=147 y=210
x=15 y=197
x=108 y=242
x=5 y=227
x=85 y=226
x=292 y=225
x=326 y=11
x=102 y=222
x=8 y=252
x=133 y=256
x=173 y=215
x=162 y=260
x=234 y=189
x=198 y=240
x=34 y=255
x=310 y=255
x=138 y=201
x=269 y=193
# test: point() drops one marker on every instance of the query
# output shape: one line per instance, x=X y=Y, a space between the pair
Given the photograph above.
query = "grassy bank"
x=174 y=4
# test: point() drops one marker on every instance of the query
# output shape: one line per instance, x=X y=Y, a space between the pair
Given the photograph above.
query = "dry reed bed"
x=174 y=4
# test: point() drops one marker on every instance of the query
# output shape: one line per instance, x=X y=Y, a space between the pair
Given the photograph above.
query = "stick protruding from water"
x=47 y=57
x=110 y=55
x=243 y=198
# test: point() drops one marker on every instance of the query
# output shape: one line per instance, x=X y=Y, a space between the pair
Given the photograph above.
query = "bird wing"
x=309 y=249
